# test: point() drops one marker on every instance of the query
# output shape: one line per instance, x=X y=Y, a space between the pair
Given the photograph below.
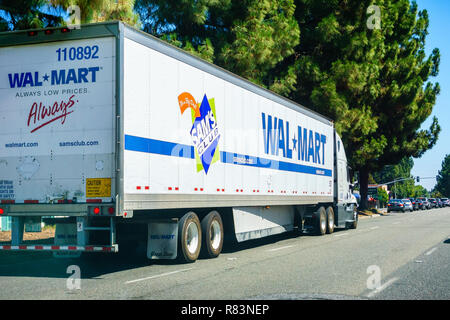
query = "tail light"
x=2 y=211
x=400 y=205
x=111 y=210
x=96 y=210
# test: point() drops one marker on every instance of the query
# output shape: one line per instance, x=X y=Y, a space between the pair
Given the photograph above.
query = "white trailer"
x=121 y=137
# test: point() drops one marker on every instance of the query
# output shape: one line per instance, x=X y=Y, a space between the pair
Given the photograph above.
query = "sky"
x=439 y=28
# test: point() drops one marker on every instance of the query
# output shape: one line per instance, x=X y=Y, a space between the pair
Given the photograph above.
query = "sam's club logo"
x=204 y=131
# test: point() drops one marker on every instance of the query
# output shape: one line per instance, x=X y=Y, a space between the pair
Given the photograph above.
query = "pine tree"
x=102 y=10
x=372 y=82
x=27 y=14
x=443 y=178
x=248 y=37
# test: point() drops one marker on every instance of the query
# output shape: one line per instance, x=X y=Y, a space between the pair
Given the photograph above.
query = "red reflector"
x=39 y=247
x=22 y=247
x=8 y=201
x=94 y=200
x=2 y=211
x=96 y=210
x=48 y=32
x=31 y=201
x=111 y=210
x=65 y=30
x=32 y=33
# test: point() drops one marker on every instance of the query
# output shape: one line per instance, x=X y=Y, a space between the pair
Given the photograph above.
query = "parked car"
x=445 y=202
x=433 y=203
x=426 y=203
x=439 y=202
x=415 y=203
x=408 y=205
x=396 y=205
x=420 y=204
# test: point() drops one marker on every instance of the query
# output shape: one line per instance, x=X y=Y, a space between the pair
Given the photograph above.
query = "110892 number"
x=77 y=53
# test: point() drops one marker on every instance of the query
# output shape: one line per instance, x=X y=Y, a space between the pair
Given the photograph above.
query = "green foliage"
x=443 y=179
x=26 y=14
x=420 y=191
x=102 y=10
x=33 y=14
x=248 y=37
x=383 y=196
x=373 y=83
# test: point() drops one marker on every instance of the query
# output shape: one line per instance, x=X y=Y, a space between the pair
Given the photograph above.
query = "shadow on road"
x=44 y=265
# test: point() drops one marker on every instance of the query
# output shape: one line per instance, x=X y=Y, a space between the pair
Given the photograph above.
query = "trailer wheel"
x=321 y=221
x=189 y=237
x=213 y=235
x=330 y=220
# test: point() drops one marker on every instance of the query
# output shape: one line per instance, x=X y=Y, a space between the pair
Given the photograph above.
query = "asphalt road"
x=399 y=256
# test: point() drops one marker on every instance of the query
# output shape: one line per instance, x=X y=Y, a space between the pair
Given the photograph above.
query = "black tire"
x=330 y=220
x=186 y=254
x=213 y=235
x=299 y=223
x=321 y=221
x=354 y=224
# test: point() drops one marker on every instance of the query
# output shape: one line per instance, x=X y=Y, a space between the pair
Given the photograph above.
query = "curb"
x=371 y=216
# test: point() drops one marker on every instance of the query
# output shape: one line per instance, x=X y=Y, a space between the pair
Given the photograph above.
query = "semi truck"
x=122 y=140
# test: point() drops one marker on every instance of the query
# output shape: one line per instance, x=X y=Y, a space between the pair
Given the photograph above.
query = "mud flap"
x=162 y=240
x=66 y=234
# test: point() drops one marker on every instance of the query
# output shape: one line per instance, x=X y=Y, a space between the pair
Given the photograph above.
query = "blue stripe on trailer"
x=139 y=144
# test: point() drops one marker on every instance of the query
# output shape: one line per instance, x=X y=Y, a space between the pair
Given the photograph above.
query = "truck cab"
x=345 y=201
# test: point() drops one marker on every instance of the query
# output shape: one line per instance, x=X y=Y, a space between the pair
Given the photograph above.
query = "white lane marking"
x=158 y=275
x=341 y=234
x=396 y=222
x=280 y=248
x=373 y=228
x=381 y=288
x=431 y=251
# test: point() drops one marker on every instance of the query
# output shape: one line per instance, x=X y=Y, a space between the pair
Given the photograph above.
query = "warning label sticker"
x=98 y=188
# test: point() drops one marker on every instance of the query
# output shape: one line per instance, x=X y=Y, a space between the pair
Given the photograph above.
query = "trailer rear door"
x=57 y=111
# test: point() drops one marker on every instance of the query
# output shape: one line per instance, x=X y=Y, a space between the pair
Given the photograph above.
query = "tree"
x=443 y=178
x=27 y=14
x=33 y=14
x=383 y=196
x=420 y=191
x=372 y=82
x=248 y=37
x=402 y=189
x=102 y=10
